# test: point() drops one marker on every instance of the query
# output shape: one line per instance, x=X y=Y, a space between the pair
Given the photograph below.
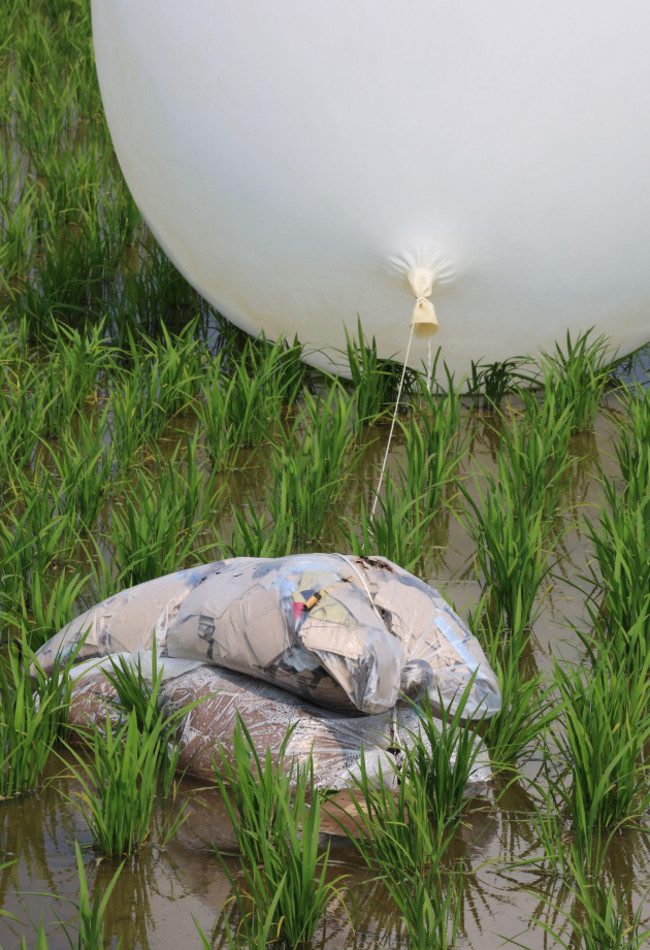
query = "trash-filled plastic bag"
x=351 y=634
x=333 y=740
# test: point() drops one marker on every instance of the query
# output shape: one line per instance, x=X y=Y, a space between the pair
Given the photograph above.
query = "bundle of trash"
x=342 y=647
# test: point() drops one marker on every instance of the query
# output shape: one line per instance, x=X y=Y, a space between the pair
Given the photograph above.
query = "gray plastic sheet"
x=332 y=740
x=350 y=634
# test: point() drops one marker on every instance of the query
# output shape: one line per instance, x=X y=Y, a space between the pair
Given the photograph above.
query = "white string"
x=392 y=426
x=429 y=365
x=364 y=584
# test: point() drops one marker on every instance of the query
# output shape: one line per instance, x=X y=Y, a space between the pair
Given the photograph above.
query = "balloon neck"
x=423 y=319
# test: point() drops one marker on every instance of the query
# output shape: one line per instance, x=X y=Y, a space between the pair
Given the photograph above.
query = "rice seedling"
x=220 y=442
x=259 y=923
x=489 y=383
x=90 y=932
x=66 y=287
x=392 y=829
x=32 y=715
x=435 y=445
x=155 y=529
x=256 y=535
x=152 y=294
x=534 y=457
x=310 y=467
x=138 y=693
x=632 y=447
x=32 y=544
x=118 y=775
x=23 y=410
x=136 y=417
x=179 y=360
x=509 y=551
x=598 y=919
x=429 y=907
x=254 y=392
x=528 y=704
x=36 y=614
x=602 y=779
x=375 y=381
x=620 y=574
x=579 y=374
x=397 y=529
x=275 y=811
x=441 y=757
x=74 y=363
x=82 y=477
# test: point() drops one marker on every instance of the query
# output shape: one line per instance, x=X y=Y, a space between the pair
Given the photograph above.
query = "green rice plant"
x=430 y=909
x=242 y=409
x=392 y=830
x=66 y=287
x=489 y=383
x=36 y=613
x=441 y=755
x=529 y=705
x=275 y=811
x=34 y=542
x=619 y=574
x=375 y=381
x=632 y=447
x=90 y=933
x=397 y=529
x=72 y=371
x=118 y=775
x=602 y=778
x=254 y=393
x=510 y=550
x=259 y=923
x=41 y=938
x=256 y=535
x=435 y=443
x=597 y=919
x=82 y=475
x=534 y=458
x=579 y=374
x=137 y=417
x=138 y=693
x=211 y=411
x=23 y=411
x=284 y=359
x=179 y=359
x=155 y=529
x=626 y=641
x=33 y=713
x=310 y=467
x=152 y=294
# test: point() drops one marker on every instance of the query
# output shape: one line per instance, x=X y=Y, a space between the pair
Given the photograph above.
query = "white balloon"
x=296 y=160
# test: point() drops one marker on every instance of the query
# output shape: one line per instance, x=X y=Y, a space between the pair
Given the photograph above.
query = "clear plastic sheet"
x=351 y=634
x=333 y=740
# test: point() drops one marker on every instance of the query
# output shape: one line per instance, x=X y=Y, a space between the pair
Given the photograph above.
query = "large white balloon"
x=295 y=159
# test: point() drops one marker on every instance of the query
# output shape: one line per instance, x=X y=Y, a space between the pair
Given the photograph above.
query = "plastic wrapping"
x=350 y=634
x=333 y=740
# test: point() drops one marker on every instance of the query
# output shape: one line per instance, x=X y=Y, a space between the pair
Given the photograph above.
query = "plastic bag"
x=347 y=633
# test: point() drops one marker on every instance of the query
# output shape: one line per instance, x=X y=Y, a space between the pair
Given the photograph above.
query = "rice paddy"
x=140 y=434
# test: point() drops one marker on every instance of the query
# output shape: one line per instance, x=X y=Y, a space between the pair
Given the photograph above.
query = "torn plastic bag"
x=334 y=741
x=348 y=633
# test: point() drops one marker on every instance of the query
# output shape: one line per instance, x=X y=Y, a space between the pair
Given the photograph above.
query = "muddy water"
x=164 y=889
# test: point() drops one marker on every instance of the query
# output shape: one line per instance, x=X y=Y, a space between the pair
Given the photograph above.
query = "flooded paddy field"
x=129 y=451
